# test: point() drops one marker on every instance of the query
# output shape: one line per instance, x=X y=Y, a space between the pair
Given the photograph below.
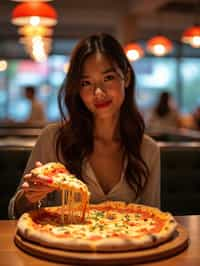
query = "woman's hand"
x=34 y=189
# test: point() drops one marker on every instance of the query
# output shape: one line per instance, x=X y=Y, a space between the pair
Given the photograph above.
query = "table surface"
x=10 y=255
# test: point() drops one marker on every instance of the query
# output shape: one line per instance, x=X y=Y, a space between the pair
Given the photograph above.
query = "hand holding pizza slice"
x=35 y=189
x=54 y=175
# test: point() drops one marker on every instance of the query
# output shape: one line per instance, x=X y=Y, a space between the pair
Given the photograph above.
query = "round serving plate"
x=176 y=244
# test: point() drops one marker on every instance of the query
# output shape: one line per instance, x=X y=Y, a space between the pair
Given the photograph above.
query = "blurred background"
x=162 y=41
x=130 y=21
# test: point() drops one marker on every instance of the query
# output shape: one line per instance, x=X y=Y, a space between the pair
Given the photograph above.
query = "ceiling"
x=125 y=19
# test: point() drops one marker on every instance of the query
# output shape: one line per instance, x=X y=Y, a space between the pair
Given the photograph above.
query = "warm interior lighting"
x=34 y=13
x=66 y=67
x=36 y=41
x=3 y=65
x=159 y=45
x=29 y=30
x=37 y=47
x=31 y=0
x=191 y=36
x=133 y=51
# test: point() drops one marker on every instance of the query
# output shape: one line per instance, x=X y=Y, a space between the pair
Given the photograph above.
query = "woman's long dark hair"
x=75 y=139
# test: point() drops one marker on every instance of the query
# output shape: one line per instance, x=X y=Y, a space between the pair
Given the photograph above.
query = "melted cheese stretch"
x=69 y=205
x=57 y=176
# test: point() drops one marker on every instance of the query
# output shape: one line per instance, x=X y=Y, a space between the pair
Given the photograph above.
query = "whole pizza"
x=109 y=226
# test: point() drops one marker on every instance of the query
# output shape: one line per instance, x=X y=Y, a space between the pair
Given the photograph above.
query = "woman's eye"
x=109 y=77
x=85 y=83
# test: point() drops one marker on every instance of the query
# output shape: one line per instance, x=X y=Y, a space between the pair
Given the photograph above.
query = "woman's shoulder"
x=150 y=150
x=51 y=128
x=149 y=145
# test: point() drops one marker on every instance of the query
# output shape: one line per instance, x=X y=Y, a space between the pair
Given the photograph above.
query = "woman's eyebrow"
x=111 y=69
x=84 y=76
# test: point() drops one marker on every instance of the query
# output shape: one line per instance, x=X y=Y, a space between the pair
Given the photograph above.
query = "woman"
x=103 y=142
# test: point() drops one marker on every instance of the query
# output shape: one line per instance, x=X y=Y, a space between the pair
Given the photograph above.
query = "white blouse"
x=121 y=191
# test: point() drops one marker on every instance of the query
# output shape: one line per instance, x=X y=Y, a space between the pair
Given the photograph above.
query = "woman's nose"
x=99 y=91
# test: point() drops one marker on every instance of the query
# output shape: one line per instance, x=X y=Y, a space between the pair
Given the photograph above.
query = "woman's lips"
x=103 y=104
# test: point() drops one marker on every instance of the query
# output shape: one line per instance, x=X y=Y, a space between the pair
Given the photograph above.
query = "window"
x=190 y=77
x=154 y=75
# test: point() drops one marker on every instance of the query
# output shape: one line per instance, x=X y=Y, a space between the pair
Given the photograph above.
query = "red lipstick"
x=103 y=104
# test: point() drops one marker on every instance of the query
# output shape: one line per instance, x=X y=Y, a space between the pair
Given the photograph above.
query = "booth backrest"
x=180 y=179
x=12 y=164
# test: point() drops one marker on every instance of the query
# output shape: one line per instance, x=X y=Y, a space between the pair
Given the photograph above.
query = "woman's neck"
x=107 y=130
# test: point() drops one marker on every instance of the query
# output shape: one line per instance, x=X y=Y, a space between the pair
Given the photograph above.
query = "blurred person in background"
x=196 y=119
x=164 y=115
x=37 y=113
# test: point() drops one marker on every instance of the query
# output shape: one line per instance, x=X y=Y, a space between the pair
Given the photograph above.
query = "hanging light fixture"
x=31 y=0
x=36 y=40
x=159 y=45
x=29 y=31
x=34 y=13
x=191 y=36
x=133 y=51
x=37 y=47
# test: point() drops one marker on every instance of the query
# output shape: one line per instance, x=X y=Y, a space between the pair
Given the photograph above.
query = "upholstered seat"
x=180 y=179
x=12 y=163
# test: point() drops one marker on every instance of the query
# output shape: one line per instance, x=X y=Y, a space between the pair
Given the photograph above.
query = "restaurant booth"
x=180 y=167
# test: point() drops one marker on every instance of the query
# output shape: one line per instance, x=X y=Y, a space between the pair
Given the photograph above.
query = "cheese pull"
x=55 y=175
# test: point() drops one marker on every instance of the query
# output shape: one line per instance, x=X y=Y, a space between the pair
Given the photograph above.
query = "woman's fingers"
x=25 y=185
x=35 y=191
x=27 y=176
x=38 y=164
x=34 y=196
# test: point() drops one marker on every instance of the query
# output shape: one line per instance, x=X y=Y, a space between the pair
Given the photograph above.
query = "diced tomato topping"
x=115 y=234
x=50 y=180
x=131 y=223
x=62 y=235
x=143 y=230
x=95 y=237
x=55 y=171
x=88 y=221
x=121 y=235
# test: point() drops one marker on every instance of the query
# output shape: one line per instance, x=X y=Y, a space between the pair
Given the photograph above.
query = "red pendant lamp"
x=133 y=51
x=31 y=0
x=159 y=45
x=191 y=36
x=29 y=31
x=34 y=13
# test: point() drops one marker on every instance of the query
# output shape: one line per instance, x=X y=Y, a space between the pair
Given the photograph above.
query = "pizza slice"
x=55 y=175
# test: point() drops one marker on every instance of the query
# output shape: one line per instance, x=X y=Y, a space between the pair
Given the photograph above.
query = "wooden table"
x=10 y=255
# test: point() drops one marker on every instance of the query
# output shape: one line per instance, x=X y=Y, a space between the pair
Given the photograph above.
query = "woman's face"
x=102 y=86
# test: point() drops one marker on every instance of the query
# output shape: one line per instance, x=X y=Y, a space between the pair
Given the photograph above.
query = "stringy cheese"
x=57 y=176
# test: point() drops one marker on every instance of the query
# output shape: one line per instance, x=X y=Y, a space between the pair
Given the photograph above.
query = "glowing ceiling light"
x=191 y=36
x=159 y=45
x=133 y=51
x=31 y=0
x=3 y=65
x=29 y=30
x=34 y=13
